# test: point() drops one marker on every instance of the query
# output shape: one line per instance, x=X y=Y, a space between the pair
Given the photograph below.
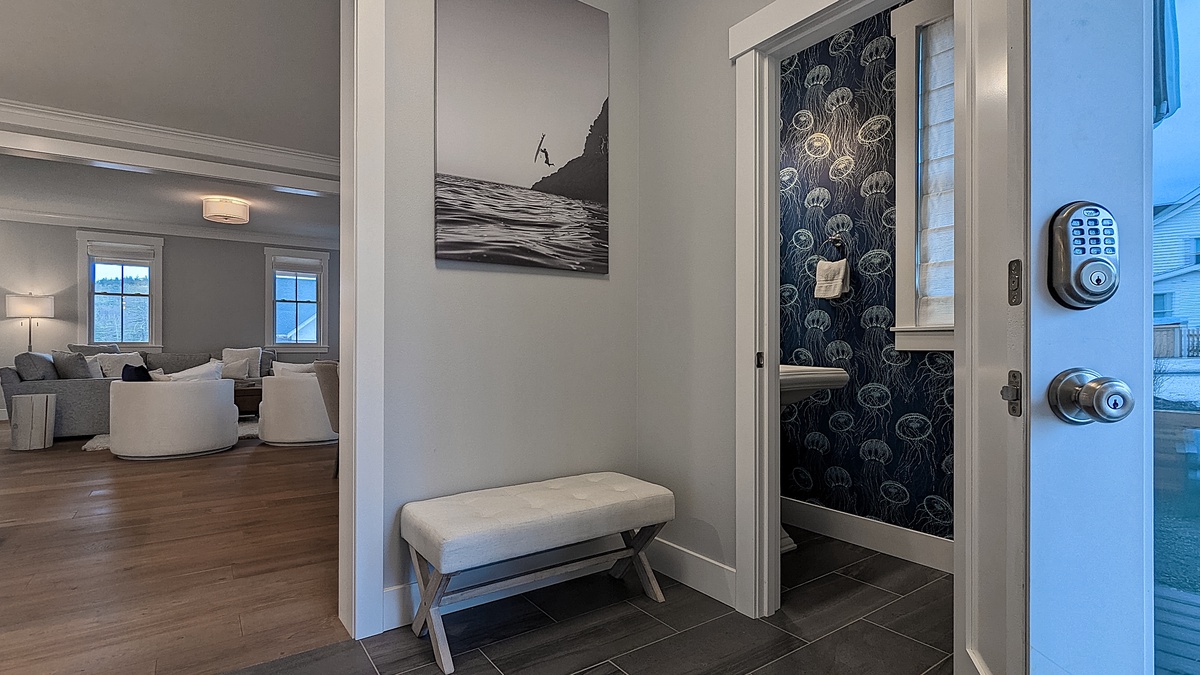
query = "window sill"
x=298 y=349
x=924 y=338
x=139 y=347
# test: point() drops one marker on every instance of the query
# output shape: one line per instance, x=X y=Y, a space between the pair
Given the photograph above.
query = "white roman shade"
x=105 y=250
x=935 y=169
x=291 y=263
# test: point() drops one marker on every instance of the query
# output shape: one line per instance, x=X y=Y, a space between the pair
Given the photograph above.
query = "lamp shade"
x=227 y=210
x=29 y=306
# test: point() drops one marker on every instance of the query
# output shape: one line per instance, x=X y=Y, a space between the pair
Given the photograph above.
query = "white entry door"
x=1054 y=528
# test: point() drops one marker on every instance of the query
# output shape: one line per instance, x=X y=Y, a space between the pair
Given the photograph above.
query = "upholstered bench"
x=450 y=535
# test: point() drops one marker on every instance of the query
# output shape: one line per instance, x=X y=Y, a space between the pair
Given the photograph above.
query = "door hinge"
x=759 y=360
x=1012 y=393
x=1014 y=283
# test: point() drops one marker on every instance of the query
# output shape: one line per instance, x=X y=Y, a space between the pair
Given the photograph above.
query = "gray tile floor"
x=846 y=609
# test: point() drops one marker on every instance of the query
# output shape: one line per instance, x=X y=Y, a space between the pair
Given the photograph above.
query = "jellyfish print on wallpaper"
x=943 y=416
x=801 y=127
x=801 y=357
x=874 y=136
x=789 y=305
x=814 y=86
x=817 y=444
x=876 y=402
x=841 y=172
x=877 y=196
x=893 y=371
x=789 y=192
x=789 y=71
x=815 y=203
x=889 y=218
x=877 y=62
x=876 y=322
x=841 y=423
x=935 y=374
x=810 y=156
x=875 y=270
x=839 y=354
x=838 y=482
x=935 y=516
x=816 y=323
x=801 y=480
x=841 y=120
x=841 y=49
x=916 y=433
x=893 y=498
x=875 y=455
x=947 y=485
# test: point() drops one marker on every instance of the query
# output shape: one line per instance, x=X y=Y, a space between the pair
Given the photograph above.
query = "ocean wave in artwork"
x=480 y=221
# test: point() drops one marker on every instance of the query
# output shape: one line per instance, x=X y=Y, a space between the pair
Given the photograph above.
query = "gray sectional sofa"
x=81 y=405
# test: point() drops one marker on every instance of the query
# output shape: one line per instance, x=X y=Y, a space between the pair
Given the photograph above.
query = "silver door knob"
x=1082 y=396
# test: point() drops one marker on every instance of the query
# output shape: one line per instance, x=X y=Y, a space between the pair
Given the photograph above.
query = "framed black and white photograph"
x=522 y=133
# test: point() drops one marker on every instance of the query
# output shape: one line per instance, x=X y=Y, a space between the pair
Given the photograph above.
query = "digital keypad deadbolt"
x=1084 y=255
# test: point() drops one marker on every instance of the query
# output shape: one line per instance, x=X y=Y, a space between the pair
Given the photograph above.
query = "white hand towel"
x=833 y=278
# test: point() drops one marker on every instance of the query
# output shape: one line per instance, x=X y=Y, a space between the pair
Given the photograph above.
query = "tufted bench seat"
x=450 y=535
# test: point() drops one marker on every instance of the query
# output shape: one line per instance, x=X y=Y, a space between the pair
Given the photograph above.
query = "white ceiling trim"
x=32 y=145
x=166 y=229
x=97 y=129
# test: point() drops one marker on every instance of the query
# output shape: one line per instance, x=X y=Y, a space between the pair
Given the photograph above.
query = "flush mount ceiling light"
x=227 y=210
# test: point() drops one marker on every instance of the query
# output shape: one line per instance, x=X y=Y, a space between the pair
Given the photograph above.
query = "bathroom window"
x=924 y=32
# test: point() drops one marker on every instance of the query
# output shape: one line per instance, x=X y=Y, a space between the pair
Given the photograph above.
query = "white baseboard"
x=714 y=579
x=901 y=542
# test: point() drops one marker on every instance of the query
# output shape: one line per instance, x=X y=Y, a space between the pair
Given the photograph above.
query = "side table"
x=32 y=420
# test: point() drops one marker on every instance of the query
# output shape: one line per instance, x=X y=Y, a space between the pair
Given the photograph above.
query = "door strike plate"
x=1012 y=393
x=1014 y=282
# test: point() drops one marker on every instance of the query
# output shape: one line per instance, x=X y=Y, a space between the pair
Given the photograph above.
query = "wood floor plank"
x=198 y=565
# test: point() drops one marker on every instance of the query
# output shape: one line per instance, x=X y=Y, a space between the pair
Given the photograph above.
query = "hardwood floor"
x=196 y=565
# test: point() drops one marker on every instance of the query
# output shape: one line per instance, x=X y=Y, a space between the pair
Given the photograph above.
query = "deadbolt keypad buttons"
x=1084 y=255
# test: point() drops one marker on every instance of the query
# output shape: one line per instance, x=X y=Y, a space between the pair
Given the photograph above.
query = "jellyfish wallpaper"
x=522 y=134
x=882 y=446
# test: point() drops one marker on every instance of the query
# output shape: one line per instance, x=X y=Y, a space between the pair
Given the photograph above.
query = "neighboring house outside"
x=1177 y=277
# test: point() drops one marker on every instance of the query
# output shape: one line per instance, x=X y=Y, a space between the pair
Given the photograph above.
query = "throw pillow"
x=112 y=364
x=94 y=367
x=35 y=366
x=92 y=350
x=207 y=371
x=158 y=376
x=289 y=369
x=131 y=373
x=71 y=365
x=234 y=370
x=254 y=354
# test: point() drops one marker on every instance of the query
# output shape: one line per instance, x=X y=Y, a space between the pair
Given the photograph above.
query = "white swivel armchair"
x=158 y=420
x=292 y=411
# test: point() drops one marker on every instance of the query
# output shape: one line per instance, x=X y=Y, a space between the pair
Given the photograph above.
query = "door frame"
x=756 y=46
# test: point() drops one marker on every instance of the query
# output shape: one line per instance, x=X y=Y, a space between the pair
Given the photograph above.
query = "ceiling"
x=265 y=71
x=73 y=193
x=262 y=71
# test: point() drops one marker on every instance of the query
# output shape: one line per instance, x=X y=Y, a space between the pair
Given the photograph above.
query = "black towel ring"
x=838 y=243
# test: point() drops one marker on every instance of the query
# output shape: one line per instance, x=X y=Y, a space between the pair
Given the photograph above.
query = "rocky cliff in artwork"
x=586 y=176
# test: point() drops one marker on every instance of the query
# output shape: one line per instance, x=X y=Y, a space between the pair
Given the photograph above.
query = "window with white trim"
x=1196 y=251
x=924 y=32
x=297 y=294
x=1164 y=304
x=122 y=275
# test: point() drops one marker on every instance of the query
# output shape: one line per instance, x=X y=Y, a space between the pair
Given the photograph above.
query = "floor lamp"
x=29 y=307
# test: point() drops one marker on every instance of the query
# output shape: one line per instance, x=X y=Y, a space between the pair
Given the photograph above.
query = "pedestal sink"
x=797 y=383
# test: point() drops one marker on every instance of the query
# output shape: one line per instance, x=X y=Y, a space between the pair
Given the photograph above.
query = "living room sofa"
x=82 y=405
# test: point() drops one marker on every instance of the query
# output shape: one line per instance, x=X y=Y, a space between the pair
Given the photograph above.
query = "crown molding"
x=109 y=131
x=167 y=229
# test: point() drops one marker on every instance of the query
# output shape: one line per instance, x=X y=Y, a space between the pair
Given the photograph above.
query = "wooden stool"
x=32 y=420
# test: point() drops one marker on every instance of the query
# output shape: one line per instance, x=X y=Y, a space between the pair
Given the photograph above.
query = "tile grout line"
x=785 y=632
x=781 y=657
x=898 y=599
x=539 y=608
x=489 y=659
x=948 y=658
x=906 y=636
x=867 y=583
x=369 y=659
x=652 y=616
x=665 y=637
x=619 y=668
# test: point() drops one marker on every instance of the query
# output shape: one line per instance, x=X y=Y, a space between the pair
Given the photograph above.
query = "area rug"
x=246 y=429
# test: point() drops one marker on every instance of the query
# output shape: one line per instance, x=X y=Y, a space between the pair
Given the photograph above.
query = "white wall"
x=496 y=375
x=685 y=272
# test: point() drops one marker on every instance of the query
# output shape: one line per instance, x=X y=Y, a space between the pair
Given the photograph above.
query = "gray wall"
x=213 y=291
x=685 y=385
x=499 y=375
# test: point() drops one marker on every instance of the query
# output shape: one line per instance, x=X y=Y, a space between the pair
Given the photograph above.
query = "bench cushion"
x=473 y=529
